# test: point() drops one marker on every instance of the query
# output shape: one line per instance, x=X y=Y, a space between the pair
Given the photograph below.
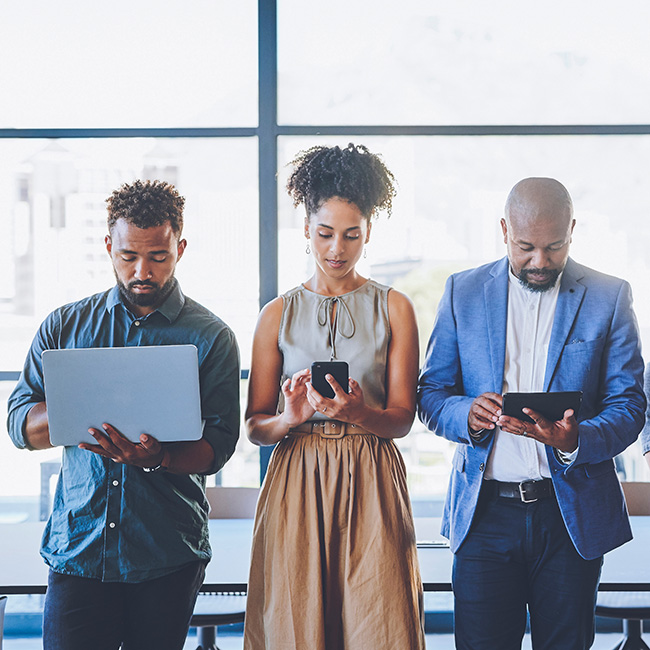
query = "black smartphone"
x=550 y=405
x=338 y=369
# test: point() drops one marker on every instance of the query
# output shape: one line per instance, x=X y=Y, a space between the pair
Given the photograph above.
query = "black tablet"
x=550 y=405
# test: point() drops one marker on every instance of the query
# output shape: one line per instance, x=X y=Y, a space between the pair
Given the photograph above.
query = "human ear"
x=504 y=228
x=182 y=244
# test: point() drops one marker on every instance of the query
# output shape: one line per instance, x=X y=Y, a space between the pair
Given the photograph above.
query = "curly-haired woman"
x=334 y=562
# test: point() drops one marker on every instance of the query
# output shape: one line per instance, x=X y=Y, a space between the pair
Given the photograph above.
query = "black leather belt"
x=526 y=491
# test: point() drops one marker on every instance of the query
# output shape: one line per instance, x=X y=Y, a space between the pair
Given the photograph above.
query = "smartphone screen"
x=338 y=369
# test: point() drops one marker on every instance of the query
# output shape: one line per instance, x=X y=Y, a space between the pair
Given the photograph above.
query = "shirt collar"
x=170 y=309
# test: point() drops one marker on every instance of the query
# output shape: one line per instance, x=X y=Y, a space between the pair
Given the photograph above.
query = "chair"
x=232 y=502
x=212 y=610
x=632 y=607
x=3 y=604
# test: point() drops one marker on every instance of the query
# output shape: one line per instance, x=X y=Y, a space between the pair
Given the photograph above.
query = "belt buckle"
x=522 y=492
x=338 y=427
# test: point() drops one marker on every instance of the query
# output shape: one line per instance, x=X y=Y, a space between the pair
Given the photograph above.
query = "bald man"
x=532 y=506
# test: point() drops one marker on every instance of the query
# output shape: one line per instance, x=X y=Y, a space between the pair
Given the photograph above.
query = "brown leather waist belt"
x=328 y=429
x=526 y=491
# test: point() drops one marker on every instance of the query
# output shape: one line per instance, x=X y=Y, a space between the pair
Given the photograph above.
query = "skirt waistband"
x=328 y=429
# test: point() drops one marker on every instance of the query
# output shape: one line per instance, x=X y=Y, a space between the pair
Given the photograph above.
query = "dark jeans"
x=84 y=613
x=519 y=555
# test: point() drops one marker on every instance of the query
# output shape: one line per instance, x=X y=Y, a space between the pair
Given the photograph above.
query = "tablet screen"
x=550 y=405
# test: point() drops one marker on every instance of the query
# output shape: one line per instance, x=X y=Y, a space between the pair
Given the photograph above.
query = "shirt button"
x=111 y=525
x=137 y=323
x=116 y=483
x=481 y=467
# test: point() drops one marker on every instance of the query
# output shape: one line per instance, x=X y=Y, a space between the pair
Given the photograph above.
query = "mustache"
x=525 y=273
x=142 y=283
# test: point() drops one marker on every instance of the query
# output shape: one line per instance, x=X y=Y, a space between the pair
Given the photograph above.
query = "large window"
x=77 y=65
x=446 y=218
x=462 y=62
x=461 y=100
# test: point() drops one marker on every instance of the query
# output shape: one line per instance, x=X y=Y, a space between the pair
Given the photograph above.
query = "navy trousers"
x=83 y=613
x=518 y=556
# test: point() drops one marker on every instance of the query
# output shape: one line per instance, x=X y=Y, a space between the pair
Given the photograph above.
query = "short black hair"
x=353 y=174
x=146 y=204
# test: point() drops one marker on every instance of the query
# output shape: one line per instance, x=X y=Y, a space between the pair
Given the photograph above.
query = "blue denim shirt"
x=115 y=522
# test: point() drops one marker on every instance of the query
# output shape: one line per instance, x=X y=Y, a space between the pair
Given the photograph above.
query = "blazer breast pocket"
x=580 y=363
x=577 y=346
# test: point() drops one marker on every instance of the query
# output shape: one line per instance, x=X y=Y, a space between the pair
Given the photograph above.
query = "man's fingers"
x=485 y=414
x=537 y=418
x=103 y=440
x=96 y=449
x=150 y=444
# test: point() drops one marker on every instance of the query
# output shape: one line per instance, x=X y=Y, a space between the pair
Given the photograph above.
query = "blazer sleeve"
x=442 y=405
x=645 y=434
x=622 y=414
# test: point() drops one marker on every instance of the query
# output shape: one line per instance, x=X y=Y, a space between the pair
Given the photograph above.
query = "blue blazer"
x=594 y=348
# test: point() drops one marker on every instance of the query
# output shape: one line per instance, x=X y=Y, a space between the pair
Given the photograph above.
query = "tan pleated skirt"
x=334 y=563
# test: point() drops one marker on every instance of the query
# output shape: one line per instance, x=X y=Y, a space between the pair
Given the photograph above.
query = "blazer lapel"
x=566 y=310
x=495 y=292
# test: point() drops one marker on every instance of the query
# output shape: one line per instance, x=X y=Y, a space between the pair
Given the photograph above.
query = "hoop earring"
x=307 y=249
x=365 y=252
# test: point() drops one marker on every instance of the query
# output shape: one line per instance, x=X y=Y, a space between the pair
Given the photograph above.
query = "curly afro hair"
x=146 y=204
x=353 y=174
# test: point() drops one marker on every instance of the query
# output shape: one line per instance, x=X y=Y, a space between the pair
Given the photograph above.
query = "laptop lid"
x=146 y=389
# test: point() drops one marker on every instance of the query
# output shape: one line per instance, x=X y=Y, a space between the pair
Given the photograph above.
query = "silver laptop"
x=149 y=389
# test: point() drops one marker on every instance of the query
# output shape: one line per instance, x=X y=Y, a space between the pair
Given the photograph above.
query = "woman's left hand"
x=346 y=407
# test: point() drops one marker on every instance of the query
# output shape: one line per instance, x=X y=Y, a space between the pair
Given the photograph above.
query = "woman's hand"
x=297 y=408
x=346 y=407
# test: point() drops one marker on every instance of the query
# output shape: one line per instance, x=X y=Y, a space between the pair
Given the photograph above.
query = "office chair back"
x=232 y=502
x=213 y=610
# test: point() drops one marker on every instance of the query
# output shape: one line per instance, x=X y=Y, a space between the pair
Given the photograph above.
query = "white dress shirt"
x=528 y=333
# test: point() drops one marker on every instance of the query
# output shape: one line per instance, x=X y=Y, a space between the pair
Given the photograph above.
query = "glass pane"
x=53 y=214
x=446 y=218
x=75 y=64
x=21 y=473
x=463 y=62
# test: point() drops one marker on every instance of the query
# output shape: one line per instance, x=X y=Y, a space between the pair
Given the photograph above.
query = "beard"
x=551 y=278
x=152 y=299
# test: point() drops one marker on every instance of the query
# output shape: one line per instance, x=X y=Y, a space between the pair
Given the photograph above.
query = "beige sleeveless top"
x=358 y=333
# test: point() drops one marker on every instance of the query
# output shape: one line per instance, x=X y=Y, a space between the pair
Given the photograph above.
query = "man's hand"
x=562 y=435
x=484 y=411
x=113 y=445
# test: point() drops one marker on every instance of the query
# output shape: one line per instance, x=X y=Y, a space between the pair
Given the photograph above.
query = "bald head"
x=534 y=199
x=537 y=230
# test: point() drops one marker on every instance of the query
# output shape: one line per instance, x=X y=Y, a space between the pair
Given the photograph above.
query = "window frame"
x=267 y=133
